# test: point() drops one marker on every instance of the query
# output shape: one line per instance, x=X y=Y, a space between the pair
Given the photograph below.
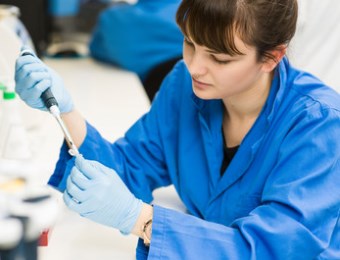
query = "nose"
x=197 y=65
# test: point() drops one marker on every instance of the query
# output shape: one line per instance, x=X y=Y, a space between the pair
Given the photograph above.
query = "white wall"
x=316 y=45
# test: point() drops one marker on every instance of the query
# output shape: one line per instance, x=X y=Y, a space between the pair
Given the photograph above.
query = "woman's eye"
x=220 y=61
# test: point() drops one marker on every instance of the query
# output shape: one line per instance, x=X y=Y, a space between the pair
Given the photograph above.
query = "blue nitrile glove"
x=33 y=77
x=97 y=193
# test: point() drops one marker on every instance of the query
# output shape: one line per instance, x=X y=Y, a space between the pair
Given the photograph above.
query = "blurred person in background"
x=141 y=37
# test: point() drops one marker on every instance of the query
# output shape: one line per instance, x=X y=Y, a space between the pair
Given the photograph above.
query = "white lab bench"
x=110 y=99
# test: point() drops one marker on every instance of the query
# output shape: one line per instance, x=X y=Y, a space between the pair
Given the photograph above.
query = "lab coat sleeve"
x=138 y=157
x=177 y=235
x=140 y=173
x=301 y=192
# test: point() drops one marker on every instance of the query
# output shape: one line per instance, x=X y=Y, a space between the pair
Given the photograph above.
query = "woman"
x=249 y=142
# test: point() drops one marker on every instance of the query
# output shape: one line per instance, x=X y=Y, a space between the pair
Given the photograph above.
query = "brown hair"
x=263 y=24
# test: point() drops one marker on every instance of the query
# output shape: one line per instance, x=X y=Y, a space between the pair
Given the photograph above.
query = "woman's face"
x=221 y=76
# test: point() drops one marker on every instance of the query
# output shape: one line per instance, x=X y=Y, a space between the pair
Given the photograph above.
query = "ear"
x=277 y=54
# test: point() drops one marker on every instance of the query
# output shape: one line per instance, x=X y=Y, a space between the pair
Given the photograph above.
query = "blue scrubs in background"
x=63 y=8
x=138 y=37
x=278 y=199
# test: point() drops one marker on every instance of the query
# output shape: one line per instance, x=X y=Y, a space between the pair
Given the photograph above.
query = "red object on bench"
x=44 y=237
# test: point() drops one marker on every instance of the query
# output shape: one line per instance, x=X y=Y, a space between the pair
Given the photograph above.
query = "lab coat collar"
x=279 y=88
x=210 y=116
x=199 y=103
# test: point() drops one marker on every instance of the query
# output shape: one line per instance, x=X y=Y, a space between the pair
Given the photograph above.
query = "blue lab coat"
x=278 y=199
x=138 y=37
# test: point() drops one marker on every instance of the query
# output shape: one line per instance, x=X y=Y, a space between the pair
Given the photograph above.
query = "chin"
x=205 y=95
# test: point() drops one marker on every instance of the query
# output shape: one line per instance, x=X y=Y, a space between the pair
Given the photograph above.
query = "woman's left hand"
x=97 y=193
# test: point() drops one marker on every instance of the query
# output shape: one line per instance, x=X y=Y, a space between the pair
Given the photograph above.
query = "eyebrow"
x=216 y=52
x=219 y=53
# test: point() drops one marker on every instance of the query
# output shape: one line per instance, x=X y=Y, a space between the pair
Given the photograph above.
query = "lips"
x=199 y=84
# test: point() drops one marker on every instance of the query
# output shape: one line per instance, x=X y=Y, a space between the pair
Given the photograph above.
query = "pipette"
x=52 y=105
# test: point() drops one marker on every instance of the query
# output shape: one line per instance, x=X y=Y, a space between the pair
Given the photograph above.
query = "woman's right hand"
x=33 y=77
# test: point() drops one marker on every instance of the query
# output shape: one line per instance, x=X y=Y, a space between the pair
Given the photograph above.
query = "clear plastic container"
x=10 y=17
x=14 y=142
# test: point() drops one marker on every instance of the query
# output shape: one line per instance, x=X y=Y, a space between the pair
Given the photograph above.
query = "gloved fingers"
x=26 y=78
x=29 y=95
x=70 y=202
x=24 y=62
x=29 y=83
x=42 y=85
x=77 y=185
x=79 y=179
x=86 y=167
x=35 y=77
x=21 y=76
x=80 y=207
x=29 y=68
x=85 y=212
x=75 y=192
x=92 y=169
x=75 y=196
x=38 y=104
